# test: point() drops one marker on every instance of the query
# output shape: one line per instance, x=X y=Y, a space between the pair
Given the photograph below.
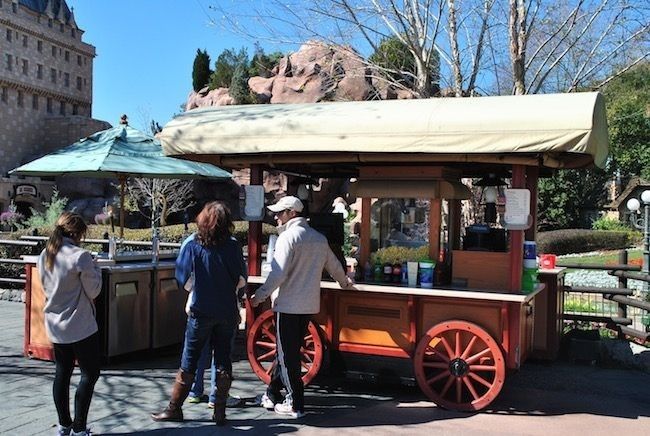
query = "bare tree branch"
x=166 y=195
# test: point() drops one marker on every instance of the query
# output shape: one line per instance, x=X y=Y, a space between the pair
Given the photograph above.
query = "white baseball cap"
x=287 y=203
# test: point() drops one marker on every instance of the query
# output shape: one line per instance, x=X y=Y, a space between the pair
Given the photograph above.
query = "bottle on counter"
x=405 y=275
x=378 y=271
x=388 y=273
x=367 y=272
x=443 y=268
x=397 y=272
x=112 y=247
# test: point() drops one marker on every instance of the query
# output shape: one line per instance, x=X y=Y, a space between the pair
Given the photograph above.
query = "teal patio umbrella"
x=119 y=152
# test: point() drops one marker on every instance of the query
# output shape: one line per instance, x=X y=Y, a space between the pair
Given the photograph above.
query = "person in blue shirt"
x=196 y=392
x=215 y=261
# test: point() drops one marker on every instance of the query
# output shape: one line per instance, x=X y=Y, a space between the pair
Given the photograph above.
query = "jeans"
x=205 y=360
x=87 y=353
x=217 y=333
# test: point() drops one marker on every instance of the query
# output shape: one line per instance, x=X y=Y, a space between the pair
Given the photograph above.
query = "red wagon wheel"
x=459 y=366
x=261 y=349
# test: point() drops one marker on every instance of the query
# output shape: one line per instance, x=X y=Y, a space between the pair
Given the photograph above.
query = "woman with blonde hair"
x=71 y=281
x=214 y=259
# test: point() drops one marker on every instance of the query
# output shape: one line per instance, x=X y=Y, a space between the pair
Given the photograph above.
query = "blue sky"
x=145 y=50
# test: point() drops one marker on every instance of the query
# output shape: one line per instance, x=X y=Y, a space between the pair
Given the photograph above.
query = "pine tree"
x=239 y=89
x=201 y=70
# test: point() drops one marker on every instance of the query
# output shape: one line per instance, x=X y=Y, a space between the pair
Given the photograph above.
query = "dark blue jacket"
x=216 y=273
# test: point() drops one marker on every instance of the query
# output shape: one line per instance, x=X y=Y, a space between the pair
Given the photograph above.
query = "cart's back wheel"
x=261 y=349
x=459 y=366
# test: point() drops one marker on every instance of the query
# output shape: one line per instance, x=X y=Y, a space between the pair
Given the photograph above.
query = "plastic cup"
x=426 y=274
x=412 y=270
x=530 y=250
x=547 y=261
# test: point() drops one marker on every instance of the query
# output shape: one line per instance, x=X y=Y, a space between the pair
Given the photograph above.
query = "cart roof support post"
x=434 y=227
x=364 y=236
x=255 y=230
x=532 y=176
x=517 y=236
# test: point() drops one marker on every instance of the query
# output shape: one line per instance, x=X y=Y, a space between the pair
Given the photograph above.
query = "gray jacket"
x=301 y=254
x=70 y=287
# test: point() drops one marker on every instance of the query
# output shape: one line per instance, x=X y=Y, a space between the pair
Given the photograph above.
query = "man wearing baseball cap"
x=301 y=254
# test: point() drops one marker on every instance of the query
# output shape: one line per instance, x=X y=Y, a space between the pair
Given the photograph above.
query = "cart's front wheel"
x=261 y=349
x=459 y=366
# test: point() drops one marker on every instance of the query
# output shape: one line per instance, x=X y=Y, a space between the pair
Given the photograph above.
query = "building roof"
x=60 y=8
x=633 y=185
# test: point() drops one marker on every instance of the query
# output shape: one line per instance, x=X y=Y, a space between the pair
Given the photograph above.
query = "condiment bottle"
x=379 y=271
x=397 y=273
x=405 y=274
x=388 y=273
x=367 y=272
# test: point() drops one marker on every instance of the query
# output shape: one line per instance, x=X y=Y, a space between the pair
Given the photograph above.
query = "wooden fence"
x=616 y=308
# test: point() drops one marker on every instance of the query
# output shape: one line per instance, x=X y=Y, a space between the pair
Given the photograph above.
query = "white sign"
x=253 y=203
x=26 y=190
x=517 y=215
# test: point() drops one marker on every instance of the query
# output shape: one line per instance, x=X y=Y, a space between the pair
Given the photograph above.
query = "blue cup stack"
x=529 y=275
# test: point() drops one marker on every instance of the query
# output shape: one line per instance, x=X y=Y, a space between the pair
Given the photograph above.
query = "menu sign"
x=517 y=215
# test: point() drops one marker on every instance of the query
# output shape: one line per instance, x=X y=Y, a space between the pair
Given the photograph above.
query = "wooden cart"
x=459 y=342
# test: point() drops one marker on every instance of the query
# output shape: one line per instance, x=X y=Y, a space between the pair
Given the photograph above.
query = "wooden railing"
x=621 y=295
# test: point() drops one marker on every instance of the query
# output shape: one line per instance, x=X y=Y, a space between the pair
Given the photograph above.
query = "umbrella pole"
x=122 y=186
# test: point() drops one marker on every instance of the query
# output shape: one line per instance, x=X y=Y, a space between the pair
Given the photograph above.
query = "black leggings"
x=86 y=352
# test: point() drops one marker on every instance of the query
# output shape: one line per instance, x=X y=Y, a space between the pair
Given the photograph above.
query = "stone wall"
x=45 y=72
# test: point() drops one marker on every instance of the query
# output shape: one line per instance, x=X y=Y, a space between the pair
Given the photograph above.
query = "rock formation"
x=317 y=72
x=205 y=97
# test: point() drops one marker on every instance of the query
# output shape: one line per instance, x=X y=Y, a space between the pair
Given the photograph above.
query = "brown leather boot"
x=180 y=390
x=224 y=380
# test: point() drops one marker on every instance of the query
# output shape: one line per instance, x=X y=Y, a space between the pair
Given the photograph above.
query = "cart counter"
x=387 y=320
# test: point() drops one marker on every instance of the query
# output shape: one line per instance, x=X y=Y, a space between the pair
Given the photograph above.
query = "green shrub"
x=400 y=254
x=581 y=240
x=47 y=218
x=604 y=223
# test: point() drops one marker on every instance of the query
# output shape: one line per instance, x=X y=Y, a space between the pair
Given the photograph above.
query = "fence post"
x=622 y=283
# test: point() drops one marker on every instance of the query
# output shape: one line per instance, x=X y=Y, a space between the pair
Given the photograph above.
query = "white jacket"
x=70 y=288
x=301 y=254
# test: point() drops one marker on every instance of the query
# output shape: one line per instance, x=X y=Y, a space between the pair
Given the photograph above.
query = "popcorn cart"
x=460 y=334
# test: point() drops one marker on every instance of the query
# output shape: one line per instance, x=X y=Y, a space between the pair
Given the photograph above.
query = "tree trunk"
x=423 y=86
x=455 y=52
x=517 y=32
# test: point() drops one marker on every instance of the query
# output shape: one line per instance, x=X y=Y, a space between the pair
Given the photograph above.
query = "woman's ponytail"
x=70 y=225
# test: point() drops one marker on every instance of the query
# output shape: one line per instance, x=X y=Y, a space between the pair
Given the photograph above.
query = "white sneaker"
x=264 y=401
x=81 y=433
x=287 y=409
x=63 y=431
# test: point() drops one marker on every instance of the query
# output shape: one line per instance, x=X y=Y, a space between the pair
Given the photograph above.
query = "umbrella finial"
x=124 y=120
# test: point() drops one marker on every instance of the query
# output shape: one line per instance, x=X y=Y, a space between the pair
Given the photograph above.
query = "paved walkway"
x=554 y=399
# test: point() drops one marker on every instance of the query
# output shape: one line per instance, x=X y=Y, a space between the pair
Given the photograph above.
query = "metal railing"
x=30 y=245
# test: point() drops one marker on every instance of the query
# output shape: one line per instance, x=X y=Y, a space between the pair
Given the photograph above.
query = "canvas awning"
x=553 y=130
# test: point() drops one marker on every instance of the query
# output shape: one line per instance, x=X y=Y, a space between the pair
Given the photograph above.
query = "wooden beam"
x=517 y=236
x=532 y=176
x=434 y=227
x=364 y=235
x=255 y=230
